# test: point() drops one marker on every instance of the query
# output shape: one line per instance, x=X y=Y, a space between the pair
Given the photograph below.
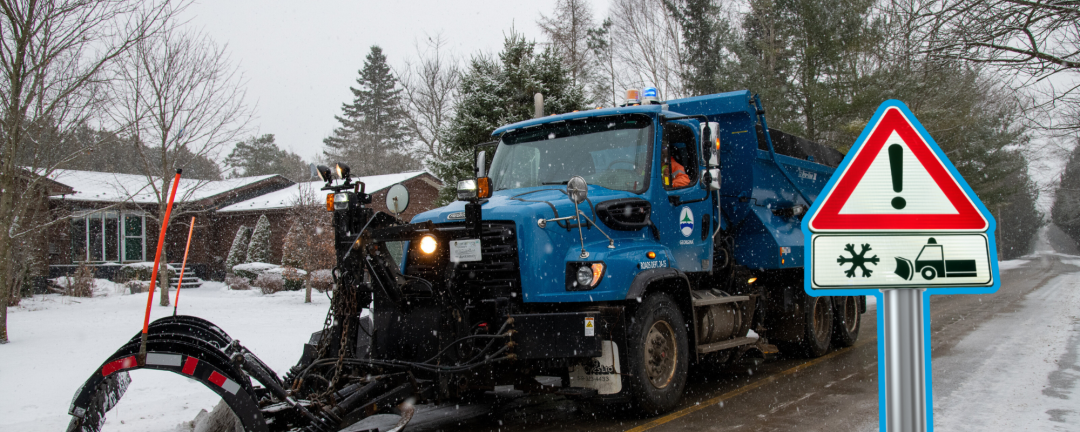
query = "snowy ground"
x=1030 y=353
x=57 y=342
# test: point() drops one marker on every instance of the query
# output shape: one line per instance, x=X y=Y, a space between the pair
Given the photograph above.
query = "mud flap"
x=600 y=373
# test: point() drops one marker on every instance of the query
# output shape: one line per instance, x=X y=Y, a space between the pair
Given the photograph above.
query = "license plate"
x=465 y=250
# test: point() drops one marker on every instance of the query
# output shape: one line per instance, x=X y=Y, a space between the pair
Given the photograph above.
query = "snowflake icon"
x=857 y=260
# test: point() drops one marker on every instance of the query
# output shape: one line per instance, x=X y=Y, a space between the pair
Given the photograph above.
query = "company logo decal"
x=456 y=215
x=686 y=222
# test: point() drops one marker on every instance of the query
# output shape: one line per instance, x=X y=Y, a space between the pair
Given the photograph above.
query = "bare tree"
x=431 y=85
x=54 y=60
x=1036 y=41
x=310 y=244
x=183 y=100
x=568 y=31
x=647 y=43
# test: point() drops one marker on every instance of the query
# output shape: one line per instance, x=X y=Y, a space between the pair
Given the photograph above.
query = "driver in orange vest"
x=678 y=175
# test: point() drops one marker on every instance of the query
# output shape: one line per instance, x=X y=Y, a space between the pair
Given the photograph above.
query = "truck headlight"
x=588 y=275
x=428 y=244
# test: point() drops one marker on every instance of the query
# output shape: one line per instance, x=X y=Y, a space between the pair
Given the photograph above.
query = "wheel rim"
x=660 y=354
x=851 y=314
x=821 y=329
x=929 y=273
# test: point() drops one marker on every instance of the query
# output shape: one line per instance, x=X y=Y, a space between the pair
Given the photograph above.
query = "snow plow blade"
x=184 y=345
x=904 y=268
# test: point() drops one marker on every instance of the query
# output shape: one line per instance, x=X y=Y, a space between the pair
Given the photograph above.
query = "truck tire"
x=846 y=321
x=817 y=326
x=657 y=354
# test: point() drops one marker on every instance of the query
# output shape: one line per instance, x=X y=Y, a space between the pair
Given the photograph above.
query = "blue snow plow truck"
x=601 y=251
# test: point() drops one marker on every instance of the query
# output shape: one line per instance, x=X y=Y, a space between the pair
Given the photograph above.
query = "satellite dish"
x=397 y=199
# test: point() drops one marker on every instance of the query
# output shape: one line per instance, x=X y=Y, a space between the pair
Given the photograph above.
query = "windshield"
x=608 y=151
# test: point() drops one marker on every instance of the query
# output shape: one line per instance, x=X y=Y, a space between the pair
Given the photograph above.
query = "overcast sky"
x=300 y=58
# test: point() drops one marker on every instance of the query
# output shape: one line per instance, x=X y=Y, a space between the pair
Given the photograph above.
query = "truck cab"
x=637 y=238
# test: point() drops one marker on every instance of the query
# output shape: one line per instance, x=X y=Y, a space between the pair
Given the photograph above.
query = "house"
x=423 y=194
x=114 y=217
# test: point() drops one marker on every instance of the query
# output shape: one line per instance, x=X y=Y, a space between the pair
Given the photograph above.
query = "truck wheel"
x=818 y=326
x=657 y=354
x=847 y=321
x=929 y=273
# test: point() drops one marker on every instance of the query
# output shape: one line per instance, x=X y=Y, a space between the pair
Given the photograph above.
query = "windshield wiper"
x=555 y=183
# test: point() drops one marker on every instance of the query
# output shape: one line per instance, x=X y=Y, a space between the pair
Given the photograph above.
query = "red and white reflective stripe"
x=119 y=364
x=189 y=366
x=225 y=383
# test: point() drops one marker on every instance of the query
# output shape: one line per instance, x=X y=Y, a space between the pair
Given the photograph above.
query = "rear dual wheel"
x=847 y=321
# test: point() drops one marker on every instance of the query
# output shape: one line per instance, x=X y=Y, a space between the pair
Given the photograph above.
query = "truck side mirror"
x=710 y=143
x=481 y=164
x=710 y=151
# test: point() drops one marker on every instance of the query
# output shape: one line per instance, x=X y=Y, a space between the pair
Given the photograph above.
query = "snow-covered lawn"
x=57 y=342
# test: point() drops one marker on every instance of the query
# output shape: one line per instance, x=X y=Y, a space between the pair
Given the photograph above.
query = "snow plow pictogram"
x=931 y=263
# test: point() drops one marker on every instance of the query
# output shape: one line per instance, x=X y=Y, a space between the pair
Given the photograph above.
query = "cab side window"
x=679 y=167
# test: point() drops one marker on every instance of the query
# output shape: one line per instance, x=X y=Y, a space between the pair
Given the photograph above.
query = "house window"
x=108 y=236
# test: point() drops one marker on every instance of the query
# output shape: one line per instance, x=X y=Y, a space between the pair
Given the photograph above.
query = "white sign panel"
x=896 y=261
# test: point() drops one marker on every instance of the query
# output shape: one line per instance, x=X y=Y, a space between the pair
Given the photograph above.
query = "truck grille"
x=496 y=275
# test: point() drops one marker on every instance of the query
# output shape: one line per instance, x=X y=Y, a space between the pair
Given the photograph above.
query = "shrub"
x=270 y=283
x=137 y=286
x=140 y=271
x=250 y=271
x=237 y=283
x=321 y=280
x=82 y=283
x=293 y=277
x=259 y=249
x=238 y=251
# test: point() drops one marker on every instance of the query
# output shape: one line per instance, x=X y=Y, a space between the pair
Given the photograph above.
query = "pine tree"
x=1066 y=210
x=373 y=138
x=500 y=91
x=259 y=248
x=261 y=156
x=238 y=251
x=705 y=35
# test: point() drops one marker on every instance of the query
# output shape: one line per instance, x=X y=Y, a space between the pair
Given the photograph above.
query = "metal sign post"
x=902 y=224
x=905 y=375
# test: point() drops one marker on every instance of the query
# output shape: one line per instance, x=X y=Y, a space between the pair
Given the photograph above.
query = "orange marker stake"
x=157 y=262
x=183 y=266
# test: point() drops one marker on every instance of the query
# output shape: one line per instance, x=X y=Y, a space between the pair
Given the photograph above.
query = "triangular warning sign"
x=896 y=179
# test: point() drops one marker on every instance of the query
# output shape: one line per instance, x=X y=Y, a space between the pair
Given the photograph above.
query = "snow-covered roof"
x=113 y=187
x=285 y=198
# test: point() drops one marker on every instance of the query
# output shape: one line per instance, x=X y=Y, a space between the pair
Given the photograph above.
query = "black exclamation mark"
x=896 y=160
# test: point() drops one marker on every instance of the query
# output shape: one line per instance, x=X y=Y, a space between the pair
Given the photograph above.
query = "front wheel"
x=657 y=354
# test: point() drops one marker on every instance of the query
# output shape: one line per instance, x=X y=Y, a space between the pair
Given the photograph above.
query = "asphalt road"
x=837 y=392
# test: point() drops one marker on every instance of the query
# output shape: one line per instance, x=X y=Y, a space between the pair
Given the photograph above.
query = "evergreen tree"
x=1066 y=210
x=259 y=248
x=261 y=156
x=705 y=35
x=238 y=251
x=500 y=91
x=373 y=138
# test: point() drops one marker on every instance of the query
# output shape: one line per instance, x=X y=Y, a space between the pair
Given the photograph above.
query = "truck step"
x=709 y=297
x=732 y=343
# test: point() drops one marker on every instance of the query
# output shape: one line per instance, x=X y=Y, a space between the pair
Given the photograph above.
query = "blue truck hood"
x=544 y=252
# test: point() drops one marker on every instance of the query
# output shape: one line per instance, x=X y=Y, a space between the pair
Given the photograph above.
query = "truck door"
x=686 y=220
